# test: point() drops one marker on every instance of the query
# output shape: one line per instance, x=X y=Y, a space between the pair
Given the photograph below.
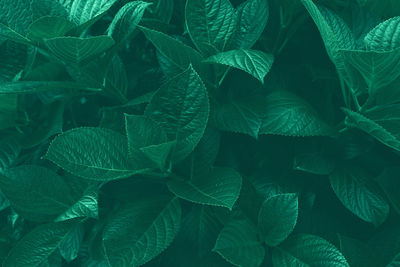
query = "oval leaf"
x=385 y=36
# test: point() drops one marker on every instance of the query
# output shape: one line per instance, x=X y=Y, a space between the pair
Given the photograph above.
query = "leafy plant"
x=199 y=133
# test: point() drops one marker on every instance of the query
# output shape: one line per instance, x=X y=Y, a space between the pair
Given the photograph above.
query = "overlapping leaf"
x=385 y=36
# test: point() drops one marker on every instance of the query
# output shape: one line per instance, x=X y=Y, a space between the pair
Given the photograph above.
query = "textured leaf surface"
x=16 y=14
x=82 y=11
x=86 y=206
x=359 y=194
x=49 y=27
x=210 y=24
x=238 y=244
x=92 y=153
x=220 y=187
x=277 y=218
x=35 y=248
x=8 y=33
x=181 y=107
x=254 y=62
x=9 y=152
x=76 y=50
x=308 y=250
x=140 y=231
x=71 y=244
x=252 y=17
x=385 y=36
x=378 y=124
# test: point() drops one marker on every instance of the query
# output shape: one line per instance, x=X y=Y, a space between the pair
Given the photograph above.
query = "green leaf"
x=378 y=69
x=42 y=8
x=88 y=11
x=278 y=217
x=181 y=108
x=238 y=244
x=252 y=17
x=8 y=33
x=86 y=206
x=141 y=230
x=37 y=193
x=389 y=183
x=9 y=152
x=334 y=31
x=29 y=87
x=117 y=79
x=385 y=36
x=16 y=14
x=210 y=24
x=126 y=20
x=219 y=187
x=92 y=153
x=357 y=253
x=358 y=193
x=254 y=62
x=76 y=50
x=35 y=248
x=49 y=27
x=308 y=250
x=71 y=244
x=178 y=53
x=395 y=261
x=379 y=122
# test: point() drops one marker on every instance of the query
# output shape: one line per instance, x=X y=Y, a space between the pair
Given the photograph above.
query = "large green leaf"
x=8 y=33
x=37 y=193
x=35 y=248
x=278 y=217
x=385 y=36
x=92 y=153
x=210 y=24
x=378 y=68
x=181 y=107
x=140 y=231
x=252 y=16
x=16 y=14
x=219 y=187
x=238 y=244
x=126 y=20
x=254 y=62
x=308 y=250
x=380 y=123
x=85 y=11
x=76 y=50
x=355 y=189
x=49 y=27
x=177 y=52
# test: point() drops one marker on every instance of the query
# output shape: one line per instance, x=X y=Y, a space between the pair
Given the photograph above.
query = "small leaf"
x=357 y=192
x=140 y=231
x=49 y=27
x=277 y=218
x=210 y=24
x=76 y=50
x=238 y=244
x=219 y=187
x=37 y=246
x=92 y=153
x=385 y=36
x=181 y=108
x=308 y=250
x=254 y=62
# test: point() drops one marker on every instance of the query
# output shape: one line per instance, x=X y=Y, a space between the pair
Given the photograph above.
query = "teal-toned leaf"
x=252 y=17
x=35 y=248
x=49 y=27
x=178 y=53
x=181 y=108
x=162 y=10
x=238 y=244
x=8 y=33
x=86 y=206
x=117 y=79
x=389 y=182
x=35 y=192
x=358 y=193
x=357 y=253
x=219 y=187
x=76 y=50
x=71 y=244
x=278 y=217
x=288 y=114
x=42 y=8
x=126 y=20
x=141 y=230
x=210 y=24
x=395 y=261
x=16 y=14
x=379 y=122
x=92 y=153
x=29 y=87
x=13 y=60
x=308 y=250
x=378 y=69
x=159 y=154
x=334 y=31
x=385 y=36
x=88 y=11
x=9 y=152
x=254 y=62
